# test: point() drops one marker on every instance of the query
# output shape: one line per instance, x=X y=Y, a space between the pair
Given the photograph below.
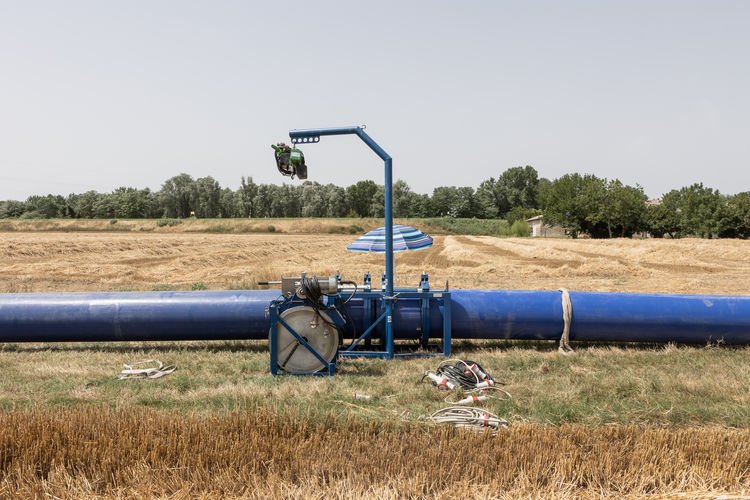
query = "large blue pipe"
x=477 y=314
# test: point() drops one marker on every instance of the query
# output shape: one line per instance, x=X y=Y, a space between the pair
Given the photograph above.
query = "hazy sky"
x=100 y=94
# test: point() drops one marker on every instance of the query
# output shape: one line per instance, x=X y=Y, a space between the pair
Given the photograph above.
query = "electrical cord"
x=475 y=419
x=313 y=296
x=468 y=377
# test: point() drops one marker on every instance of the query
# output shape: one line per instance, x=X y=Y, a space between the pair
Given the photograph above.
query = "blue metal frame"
x=426 y=298
x=372 y=299
x=311 y=136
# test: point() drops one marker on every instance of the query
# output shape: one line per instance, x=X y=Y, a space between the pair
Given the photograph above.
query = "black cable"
x=313 y=296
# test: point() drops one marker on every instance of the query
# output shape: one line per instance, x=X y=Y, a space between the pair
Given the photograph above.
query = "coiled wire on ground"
x=470 y=378
x=474 y=419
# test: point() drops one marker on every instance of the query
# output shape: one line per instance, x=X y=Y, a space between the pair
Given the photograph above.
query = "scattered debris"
x=157 y=371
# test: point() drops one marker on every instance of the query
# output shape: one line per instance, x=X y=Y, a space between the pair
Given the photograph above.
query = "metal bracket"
x=305 y=140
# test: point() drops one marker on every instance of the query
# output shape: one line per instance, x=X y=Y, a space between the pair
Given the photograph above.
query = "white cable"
x=474 y=419
x=149 y=372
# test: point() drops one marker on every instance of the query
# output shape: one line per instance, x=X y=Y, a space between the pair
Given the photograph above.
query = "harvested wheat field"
x=611 y=420
x=121 y=261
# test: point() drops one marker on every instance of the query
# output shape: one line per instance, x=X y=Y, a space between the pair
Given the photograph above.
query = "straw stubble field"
x=610 y=420
x=83 y=261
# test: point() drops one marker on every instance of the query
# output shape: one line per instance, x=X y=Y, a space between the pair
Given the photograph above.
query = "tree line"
x=583 y=204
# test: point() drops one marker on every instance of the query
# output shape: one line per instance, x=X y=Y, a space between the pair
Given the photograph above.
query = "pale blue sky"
x=99 y=94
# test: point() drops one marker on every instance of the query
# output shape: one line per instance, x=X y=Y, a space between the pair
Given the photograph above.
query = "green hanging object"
x=297 y=162
x=290 y=160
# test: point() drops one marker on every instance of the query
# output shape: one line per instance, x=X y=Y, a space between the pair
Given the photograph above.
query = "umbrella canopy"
x=404 y=238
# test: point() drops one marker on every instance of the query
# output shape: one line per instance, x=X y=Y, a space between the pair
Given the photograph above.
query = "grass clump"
x=475 y=227
x=168 y=222
x=520 y=229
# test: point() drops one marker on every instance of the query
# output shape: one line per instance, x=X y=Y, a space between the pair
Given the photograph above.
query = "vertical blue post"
x=389 y=257
x=272 y=340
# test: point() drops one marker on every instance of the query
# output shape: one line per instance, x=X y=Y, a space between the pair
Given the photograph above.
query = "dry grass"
x=309 y=225
x=599 y=385
x=261 y=454
x=48 y=261
x=71 y=430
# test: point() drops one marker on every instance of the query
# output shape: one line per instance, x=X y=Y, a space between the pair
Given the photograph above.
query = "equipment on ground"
x=311 y=319
x=378 y=305
x=469 y=379
x=474 y=419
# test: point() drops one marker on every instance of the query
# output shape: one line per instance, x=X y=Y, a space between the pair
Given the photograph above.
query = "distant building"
x=541 y=230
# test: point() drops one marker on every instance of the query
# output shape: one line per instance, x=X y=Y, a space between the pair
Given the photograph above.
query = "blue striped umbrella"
x=404 y=238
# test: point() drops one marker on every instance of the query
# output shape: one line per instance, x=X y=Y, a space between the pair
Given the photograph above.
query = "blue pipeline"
x=476 y=314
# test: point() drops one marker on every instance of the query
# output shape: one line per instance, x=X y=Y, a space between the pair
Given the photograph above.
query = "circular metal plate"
x=293 y=357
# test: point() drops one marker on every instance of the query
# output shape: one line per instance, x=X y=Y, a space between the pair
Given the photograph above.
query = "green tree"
x=450 y=201
x=489 y=199
x=734 y=219
x=573 y=201
x=130 y=203
x=11 y=209
x=621 y=208
x=444 y=201
x=518 y=187
x=699 y=210
x=360 y=196
x=176 y=195
x=664 y=218
x=205 y=197
x=336 y=201
x=231 y=203
x=262 y=201
x=314 y=202
x=46 y=207
x=247 y=192
x=405 y=201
